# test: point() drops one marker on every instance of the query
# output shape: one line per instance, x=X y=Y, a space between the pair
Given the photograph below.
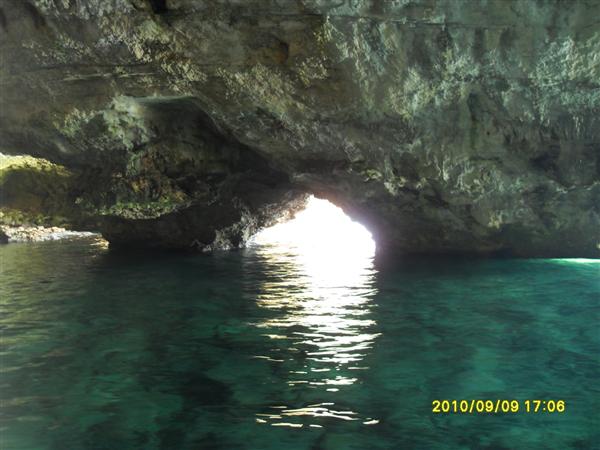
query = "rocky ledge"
x=444 y=126
x=38 y=234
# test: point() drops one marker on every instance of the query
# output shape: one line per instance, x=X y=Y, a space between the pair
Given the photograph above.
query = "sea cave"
x=299 y=224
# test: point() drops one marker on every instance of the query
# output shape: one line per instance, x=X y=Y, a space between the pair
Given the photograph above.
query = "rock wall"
x=444 y=126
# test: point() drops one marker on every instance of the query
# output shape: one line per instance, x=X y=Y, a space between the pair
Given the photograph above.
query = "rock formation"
x=444 y=126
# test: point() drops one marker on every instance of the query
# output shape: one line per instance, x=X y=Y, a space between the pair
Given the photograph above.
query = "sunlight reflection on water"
x=320 y=291
x=272 y=348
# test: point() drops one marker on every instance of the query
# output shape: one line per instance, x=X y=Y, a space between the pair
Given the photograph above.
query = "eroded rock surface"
x=38 y=234
x=443 y=126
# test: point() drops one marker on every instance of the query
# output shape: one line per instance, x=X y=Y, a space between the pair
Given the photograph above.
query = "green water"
x=266 y=349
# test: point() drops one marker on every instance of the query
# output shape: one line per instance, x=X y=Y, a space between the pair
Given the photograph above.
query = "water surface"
x=271 y=349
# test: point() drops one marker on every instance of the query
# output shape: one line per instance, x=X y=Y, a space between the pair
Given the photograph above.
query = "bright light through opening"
x=319 y=290
x=321 y=228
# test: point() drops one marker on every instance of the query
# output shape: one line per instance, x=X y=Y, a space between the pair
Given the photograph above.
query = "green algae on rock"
x=34 y=191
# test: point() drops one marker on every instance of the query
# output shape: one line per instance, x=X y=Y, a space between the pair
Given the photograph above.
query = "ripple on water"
x=276 y=348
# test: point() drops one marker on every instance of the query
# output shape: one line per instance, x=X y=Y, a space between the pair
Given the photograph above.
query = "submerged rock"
x=443 y=126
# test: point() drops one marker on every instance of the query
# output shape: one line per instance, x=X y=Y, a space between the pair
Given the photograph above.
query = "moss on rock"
x=35 y=191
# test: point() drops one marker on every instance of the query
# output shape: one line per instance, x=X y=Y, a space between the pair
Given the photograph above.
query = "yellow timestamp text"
x=474 y=406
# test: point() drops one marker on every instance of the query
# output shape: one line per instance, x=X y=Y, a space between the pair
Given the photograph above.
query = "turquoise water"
x=268 y=349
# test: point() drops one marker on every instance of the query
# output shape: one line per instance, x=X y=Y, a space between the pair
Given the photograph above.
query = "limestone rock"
x=38 y=234
x=445 y=126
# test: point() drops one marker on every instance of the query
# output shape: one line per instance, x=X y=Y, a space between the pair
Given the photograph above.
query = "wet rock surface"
x=443 y=126
x=38 y=234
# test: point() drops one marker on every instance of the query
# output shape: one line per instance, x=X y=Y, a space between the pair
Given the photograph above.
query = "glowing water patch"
x=576 y=260
x=319 y=292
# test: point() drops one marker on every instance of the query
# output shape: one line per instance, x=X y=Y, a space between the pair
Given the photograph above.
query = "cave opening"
x=320 y=229
x=325 y=253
